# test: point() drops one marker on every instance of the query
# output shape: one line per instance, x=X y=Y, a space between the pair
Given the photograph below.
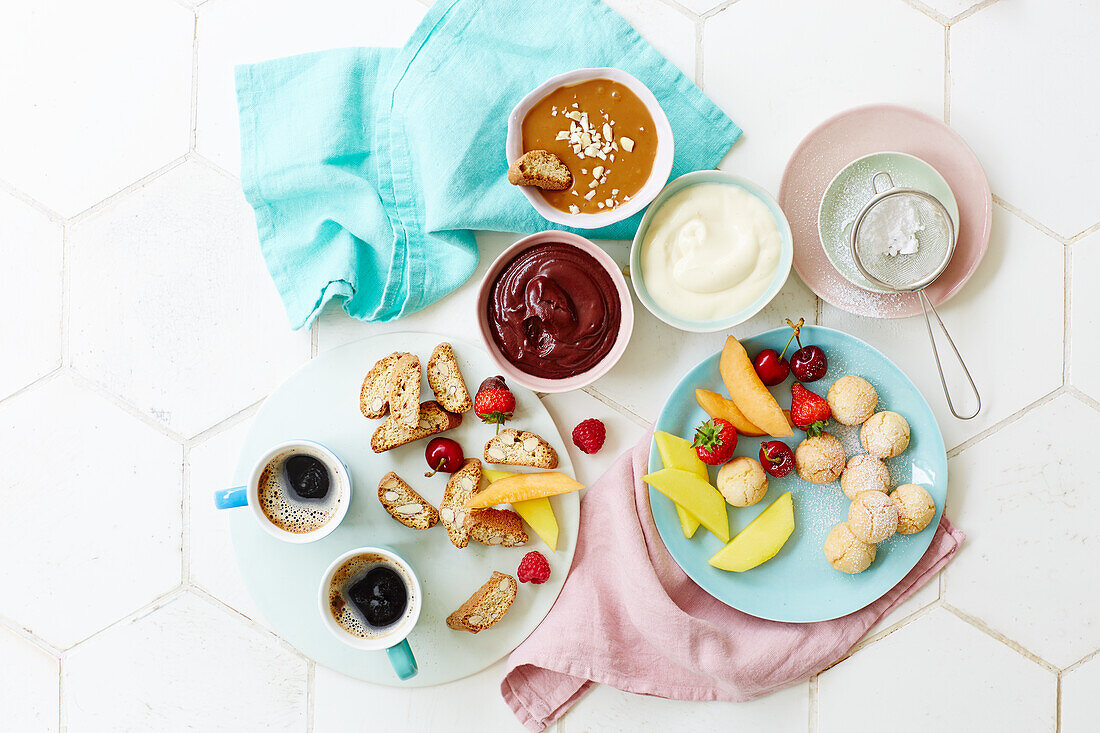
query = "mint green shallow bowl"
x=798 y=585
x=849 y=192
x=786 y=254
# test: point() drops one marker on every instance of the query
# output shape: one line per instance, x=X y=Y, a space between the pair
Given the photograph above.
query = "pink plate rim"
x=878 y=127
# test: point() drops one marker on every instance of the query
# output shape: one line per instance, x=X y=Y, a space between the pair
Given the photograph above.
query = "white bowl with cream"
x=711 y=251
x=658 y=175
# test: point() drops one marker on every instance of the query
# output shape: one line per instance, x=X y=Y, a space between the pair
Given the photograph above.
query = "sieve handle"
x=926 y=305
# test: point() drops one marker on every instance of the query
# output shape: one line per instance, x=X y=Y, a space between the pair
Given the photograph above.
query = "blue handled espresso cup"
x=299 y=492
x=383 y=577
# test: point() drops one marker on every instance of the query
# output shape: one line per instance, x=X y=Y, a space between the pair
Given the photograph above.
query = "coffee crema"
x=284 y=506
x=361 y=580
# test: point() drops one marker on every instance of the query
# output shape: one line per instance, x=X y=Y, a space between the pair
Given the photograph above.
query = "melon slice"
x=749 y=393
x=538 y=513
x=678 y=453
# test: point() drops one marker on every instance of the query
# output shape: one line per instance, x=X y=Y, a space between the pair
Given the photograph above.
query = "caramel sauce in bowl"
x=636 y=115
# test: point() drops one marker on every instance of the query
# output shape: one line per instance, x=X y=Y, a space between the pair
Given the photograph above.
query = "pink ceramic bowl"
x=626 y=322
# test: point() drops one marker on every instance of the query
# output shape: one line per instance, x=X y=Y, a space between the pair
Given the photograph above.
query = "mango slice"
x=749 y=393
x=678 y=453
x=523 y=487
x=538 y=513
x=694 y=494
x=761 y=540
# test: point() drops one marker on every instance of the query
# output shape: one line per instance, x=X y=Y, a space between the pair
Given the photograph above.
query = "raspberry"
x=589 y=435
x=533 y=568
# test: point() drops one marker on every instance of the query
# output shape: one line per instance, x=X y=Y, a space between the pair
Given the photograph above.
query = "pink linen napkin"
x=629 y=617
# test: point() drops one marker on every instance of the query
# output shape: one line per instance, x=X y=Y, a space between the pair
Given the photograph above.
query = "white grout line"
x=621 y=409
x=1082 y=397
x=978 y=7
x=1082 y=661
x=897 y=626
x=1020 y=649
x=717 y=9
x=311 y=694
x=1067 y=313
x=133 y=616
x=1002 y=424
x=930 y=12
x=1084 y=233
x=947 y=75
x=250 y=622
x=125 y=191
x=66 y=256
x=1029 y=220
x=811 y=723
x=699 y=23
x=185 y=517
x=47 y=377
x=29 y=636
x=125 y=405
x=193 y=141
x=226 y=424
x=41 y=208
x=1058 y=703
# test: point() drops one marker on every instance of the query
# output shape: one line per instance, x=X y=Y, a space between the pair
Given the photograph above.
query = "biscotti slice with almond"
x=404 y=504
x=433 y=419
x=463 y=484
x=497 y=527
x=541 y=169
x=446 y=380
x=520 y=448
x=487 y=606
x=374 y=398
x=404 y=390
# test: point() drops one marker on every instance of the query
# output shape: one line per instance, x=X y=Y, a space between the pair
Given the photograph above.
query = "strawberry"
x=714 y=441
x=809 y=411
x=589 y=435
x=494 y=402
x=533 y=568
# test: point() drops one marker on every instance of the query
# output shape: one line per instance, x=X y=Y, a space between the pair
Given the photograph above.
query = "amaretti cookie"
x=864 y=473
x=846 y=552
x=742 y=481
x=819 y=459
x=885 y=434
x=873 y=517
x=852 y=400
x=915 y=508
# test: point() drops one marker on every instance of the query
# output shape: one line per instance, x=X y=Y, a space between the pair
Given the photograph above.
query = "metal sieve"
x=884 y=265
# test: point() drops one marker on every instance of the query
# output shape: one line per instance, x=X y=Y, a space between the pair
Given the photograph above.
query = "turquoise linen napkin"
x=368 y=168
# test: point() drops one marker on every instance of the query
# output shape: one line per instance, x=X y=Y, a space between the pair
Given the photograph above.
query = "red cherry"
x=772 y=368
x=809 y=364
x=776 y=458
x=443 y=454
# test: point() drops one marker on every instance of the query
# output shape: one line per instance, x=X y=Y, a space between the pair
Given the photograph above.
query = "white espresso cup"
x=341 y=616
x=278 y=510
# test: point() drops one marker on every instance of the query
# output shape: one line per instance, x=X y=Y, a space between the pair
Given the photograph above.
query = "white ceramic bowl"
x=662 y=163
x=786 y=254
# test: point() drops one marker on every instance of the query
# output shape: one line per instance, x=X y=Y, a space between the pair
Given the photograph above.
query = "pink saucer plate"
x=860 y=131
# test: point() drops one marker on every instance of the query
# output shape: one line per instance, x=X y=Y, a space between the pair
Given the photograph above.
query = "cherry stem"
x=437 y=469
x=797 y=328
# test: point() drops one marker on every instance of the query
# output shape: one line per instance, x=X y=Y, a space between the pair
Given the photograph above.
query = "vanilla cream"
x=711 y=250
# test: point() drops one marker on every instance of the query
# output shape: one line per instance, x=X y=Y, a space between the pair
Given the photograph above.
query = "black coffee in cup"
x=368 y=595
x=296 y=492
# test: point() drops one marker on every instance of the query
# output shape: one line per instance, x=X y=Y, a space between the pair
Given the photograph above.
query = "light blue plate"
x=798 y=585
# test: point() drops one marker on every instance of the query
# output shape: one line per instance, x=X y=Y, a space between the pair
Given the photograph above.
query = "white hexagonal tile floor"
x=670 y=31
x=1027 y=499
x=764 y=62
x=213 y=562
x=1085 y=316
x=97 y=530
x=235 y=32
x=93 y=105
x=458 y=707
x=569 y=408
x=1079 y=688
x=1034 y=154
x=30 y=245
x=28 y=685
x=187 y=664
x=966 y=682
x=1012 y=344
x=171 y=305
x=607 y=710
